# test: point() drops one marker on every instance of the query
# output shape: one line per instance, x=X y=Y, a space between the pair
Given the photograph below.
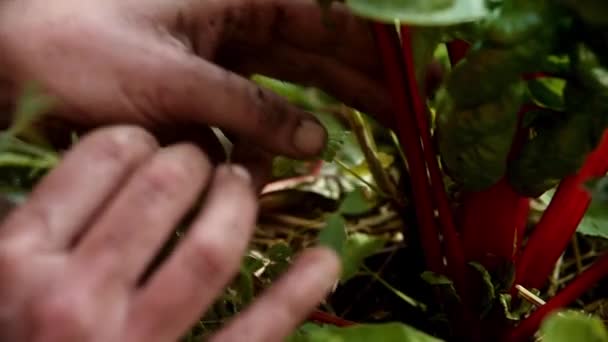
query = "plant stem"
x=494 y=220
x=323 y=317
x=560 y=221
x=457 y=267
x=407 y=130
x=457 y=50
x=570 y=293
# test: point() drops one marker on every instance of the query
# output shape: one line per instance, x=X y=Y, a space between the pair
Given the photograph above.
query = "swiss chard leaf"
x=573 y=326
x=420 y=12
x=358 y=247
x=334 y=234
x=356 y=203
x=386 y=332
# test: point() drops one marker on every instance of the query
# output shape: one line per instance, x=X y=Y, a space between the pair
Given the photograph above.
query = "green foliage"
x=356 y=203
x=387 y=332
x=420 y=12
x=571 y=326
x=358 y=247
x=488 y=293
x=522 y=309
x=353 y=248
x=445 y=284
x=333 y=234
x=595 y=222
x=23 y=163
x=548 y=92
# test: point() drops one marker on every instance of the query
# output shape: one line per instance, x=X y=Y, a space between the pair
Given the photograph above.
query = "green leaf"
x=548 y=92
x=356 y=203
x=436 y=279
x=420 y=12
x=31 y=105
x=488 y=294
x=569 y=326
x=595 y=221
x=385 y=332
x=358 y=247
x=283 y=167
x=441 y=281
x=334 y=234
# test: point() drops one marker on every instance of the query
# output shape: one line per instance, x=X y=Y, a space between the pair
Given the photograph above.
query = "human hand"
x=72 y=257
x=156 y=63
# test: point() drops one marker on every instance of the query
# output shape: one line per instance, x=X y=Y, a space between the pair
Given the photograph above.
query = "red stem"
x=494 y=220
x=535 y=75
x=569 y=294
x=560 y=221
x=408 y=133
x=457 y=50
x=457 y=267
x=325 y=318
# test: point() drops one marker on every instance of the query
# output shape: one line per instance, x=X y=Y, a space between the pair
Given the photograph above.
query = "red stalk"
x=325 y=318
x=560 y=221
x=569 y=294
x=491 y=224
x=535 y=75
x=494 y=220
x=408 y=133
x=457 y=50
x=455 y=256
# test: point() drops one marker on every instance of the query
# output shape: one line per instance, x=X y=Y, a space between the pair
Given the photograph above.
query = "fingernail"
x=241 y=172
x=309 y=137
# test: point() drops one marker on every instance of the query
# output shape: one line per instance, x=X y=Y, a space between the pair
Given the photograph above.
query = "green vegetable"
x=475 y=143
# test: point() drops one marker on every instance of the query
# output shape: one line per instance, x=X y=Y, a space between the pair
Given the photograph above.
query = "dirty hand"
x=158 y=63
x=74 y=256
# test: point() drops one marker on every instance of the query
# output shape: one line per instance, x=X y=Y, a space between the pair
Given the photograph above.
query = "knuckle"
x=210 y=257
x=166 y=178
x=121 y=144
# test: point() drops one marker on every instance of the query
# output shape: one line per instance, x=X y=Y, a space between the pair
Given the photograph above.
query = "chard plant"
x=455 y=221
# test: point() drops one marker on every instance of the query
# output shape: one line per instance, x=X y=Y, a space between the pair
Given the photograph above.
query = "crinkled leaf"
x=334 y=234
x=356 y=203
x=441 y=281
x=420 y=12
x=523 y=308
x=569 y=326
x=488 y=293
x=385 y=332
x=358 y=247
